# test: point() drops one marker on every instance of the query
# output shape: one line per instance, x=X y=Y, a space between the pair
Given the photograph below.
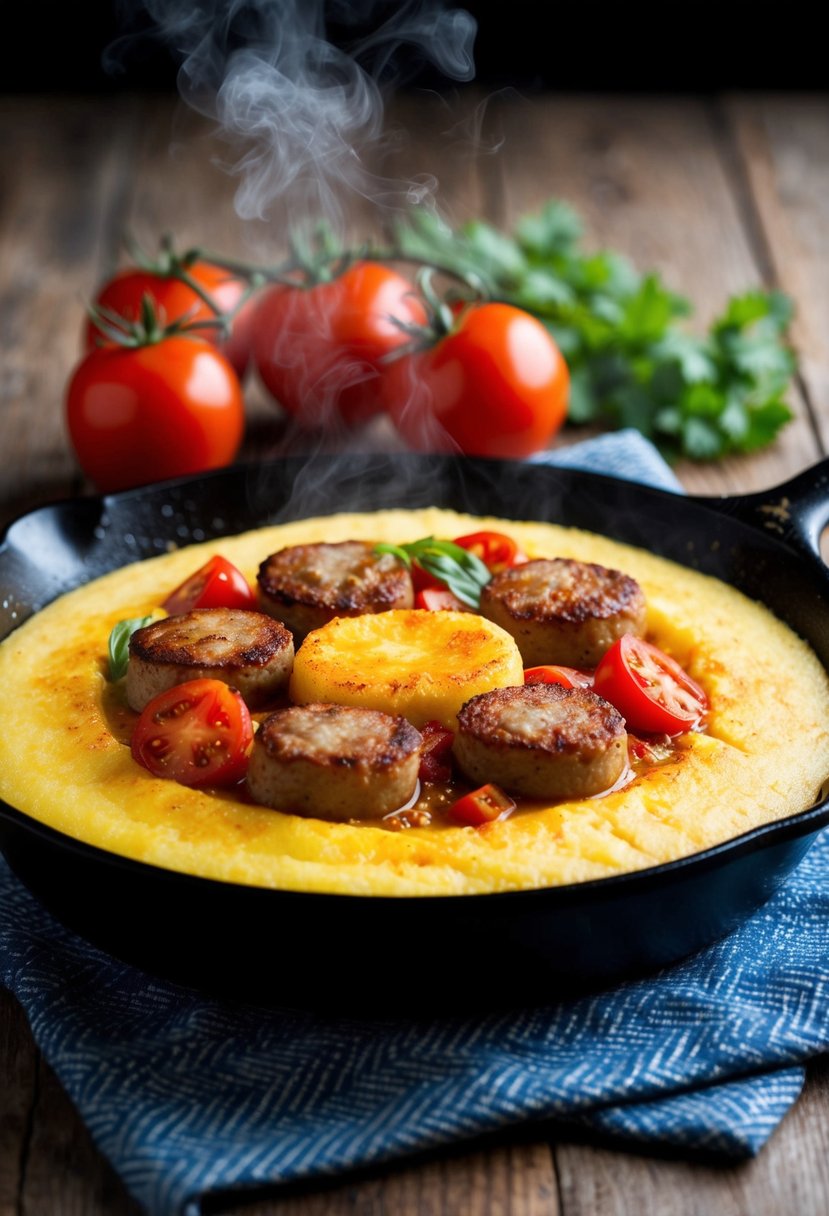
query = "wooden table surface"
x=718 y=194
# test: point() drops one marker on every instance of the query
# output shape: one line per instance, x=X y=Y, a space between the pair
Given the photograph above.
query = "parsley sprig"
x=119 y=644
x=458 y=569
x=632 y=364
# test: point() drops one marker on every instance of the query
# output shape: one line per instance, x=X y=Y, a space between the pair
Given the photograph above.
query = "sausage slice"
x=246 y=649
x=542 y=741
x=334 y=762
x=305 y=586
x=564 y=611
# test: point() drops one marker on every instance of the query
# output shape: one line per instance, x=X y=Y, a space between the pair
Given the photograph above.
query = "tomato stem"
x=441 y=312
x=178 y=272
x=149 y=329
x=169 y=264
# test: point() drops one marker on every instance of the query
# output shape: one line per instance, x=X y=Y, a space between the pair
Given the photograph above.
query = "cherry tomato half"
x=196 y=733
x=124 y=292
x=421 y=579
x=436 y=753
x=483 y=805
x=435 y=599
x=146 y=413
x=496 y=385
x=218 y=584
x=319 y=349
x=649 y=688
x=497 y=551
x=567 y=677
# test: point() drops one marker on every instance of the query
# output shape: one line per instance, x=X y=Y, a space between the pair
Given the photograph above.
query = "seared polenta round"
x=65 y=759
x=423 y=665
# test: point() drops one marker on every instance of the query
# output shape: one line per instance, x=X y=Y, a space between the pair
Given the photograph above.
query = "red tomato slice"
x=483 y=805
x=421 y=579
x=436 y=753
x=218 y=584
x=437 y=598
x=567 y=677
x=649 y=688
x=496 y=551
x=196 y=733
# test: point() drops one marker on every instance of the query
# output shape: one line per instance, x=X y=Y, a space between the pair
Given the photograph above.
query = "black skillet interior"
x=290 y=946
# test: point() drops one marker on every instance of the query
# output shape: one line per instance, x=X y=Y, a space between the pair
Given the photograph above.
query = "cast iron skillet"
x=288 y=945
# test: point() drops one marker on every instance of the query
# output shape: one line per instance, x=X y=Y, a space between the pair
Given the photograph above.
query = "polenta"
x=763 y=755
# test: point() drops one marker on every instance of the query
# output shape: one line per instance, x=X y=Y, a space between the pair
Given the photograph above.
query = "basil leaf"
x=397 y=551
x=461 y=571
x=119 y=644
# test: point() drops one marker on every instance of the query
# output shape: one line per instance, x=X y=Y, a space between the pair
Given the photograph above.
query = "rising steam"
x=304 y=111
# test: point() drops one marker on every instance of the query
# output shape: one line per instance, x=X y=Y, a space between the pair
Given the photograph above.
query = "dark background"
x=532 y=44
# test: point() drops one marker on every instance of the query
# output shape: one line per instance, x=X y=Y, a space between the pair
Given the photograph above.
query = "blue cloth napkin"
x=187 y=1094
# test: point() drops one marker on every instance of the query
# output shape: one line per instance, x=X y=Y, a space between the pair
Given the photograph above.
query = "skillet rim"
x=808 y=821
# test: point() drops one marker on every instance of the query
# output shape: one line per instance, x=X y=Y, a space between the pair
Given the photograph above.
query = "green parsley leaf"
x=584 y=405
x=764 y=421
x=701 y=439
x=556 y=229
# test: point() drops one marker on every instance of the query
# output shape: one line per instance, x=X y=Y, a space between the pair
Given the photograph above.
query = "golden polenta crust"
x=422 y=665
x=64 y=758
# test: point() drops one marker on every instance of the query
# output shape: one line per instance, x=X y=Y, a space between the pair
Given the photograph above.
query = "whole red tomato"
x=495 y=385
x=146 y=413
x=173 y=299
x=319 y=349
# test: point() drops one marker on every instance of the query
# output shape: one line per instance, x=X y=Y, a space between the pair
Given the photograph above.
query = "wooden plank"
x=179 y=186
x=54 y=209
x=18 y=1075
x=65 y=1174
x=442 y=141
x=783 y=144
x=421 y=142
x=512 y=1179
x=789 y=1175
x=649 y=179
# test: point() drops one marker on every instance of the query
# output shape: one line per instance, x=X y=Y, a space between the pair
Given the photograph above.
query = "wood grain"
x=514 y=1179
x=784 y=148
x=790 y=1175
x=65 y=1173
x=55 y=208
x=18 y=1088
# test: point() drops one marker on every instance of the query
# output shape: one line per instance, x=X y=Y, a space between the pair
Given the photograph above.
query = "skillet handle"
x=795 y=512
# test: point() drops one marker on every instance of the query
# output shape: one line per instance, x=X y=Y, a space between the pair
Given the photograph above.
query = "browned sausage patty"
x=246 y=649
x=542 y=741
x=564 y=611
x=305 y=586
x=334 y=762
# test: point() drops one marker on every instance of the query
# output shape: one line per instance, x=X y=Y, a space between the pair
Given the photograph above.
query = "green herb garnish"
x=119 y=644
x=631 y=363
x=458 y=569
